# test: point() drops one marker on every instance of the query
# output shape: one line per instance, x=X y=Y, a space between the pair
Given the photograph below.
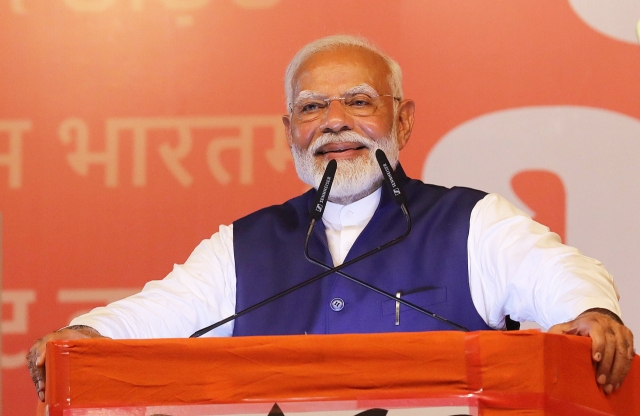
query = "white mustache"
x=342 y=137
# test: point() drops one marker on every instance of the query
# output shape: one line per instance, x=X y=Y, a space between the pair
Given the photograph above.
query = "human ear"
x=286 y=120
x=404 y=120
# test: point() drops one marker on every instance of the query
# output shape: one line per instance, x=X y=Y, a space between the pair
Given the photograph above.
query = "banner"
x=131 y=129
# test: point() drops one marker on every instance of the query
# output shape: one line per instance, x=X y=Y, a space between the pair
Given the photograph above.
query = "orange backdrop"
x=130 y=129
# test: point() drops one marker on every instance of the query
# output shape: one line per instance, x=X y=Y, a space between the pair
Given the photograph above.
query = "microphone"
x=322 y=196
x=387 y=172
x=400 y=199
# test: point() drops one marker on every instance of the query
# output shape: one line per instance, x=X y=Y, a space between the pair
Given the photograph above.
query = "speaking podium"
x=436 y=373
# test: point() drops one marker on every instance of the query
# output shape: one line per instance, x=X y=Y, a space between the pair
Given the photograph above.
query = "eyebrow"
x=307 y=94
x=362 y=89
x=358 y=89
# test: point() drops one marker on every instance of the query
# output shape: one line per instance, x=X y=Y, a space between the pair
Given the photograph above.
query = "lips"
x=339 y=148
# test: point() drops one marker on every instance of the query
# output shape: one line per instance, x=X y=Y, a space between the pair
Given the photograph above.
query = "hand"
x=35 y=358
x=611 y=344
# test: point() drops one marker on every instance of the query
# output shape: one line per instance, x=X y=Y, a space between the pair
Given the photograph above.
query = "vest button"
x=337 y=304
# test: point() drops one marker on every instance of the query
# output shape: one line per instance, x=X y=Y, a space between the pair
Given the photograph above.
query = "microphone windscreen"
x=387 y=173
x=322 y=194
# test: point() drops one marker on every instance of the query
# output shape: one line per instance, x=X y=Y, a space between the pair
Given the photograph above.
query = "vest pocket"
x=422 y=297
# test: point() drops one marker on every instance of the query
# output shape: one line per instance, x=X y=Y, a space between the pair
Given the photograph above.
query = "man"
x=471 y=257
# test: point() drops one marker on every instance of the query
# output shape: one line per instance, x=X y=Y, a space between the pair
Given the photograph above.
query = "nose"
x=336 y=118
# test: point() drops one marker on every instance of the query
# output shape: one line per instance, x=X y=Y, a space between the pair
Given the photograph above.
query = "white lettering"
x=13 y=158
x=13 y=361
x=17 y=324
x=19 y=301
x=75 y=130
x=277 y=156
x=170 y=156
x=244 y=144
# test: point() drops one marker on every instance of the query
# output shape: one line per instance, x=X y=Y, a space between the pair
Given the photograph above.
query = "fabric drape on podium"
x=488 y=373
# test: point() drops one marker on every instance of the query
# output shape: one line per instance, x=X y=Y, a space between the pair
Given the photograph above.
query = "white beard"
x=355 y=178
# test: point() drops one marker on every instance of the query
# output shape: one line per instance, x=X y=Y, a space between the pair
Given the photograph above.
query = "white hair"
x=333 y=42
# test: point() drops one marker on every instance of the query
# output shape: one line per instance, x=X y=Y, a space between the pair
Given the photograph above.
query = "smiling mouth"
x=346 y=149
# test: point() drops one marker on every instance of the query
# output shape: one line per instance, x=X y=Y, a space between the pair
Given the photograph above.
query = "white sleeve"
x=518 y=267
x=194 y=295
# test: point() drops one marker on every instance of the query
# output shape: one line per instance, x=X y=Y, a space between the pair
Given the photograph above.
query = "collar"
x=337 y=216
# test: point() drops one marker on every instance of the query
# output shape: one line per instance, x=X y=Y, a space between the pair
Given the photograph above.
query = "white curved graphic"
x=618 y=19
x=595 y=152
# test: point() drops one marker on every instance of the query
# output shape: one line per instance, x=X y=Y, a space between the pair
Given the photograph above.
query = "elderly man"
x=472 y=257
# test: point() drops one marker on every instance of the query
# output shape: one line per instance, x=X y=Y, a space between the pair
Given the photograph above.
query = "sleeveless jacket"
x=428 y=268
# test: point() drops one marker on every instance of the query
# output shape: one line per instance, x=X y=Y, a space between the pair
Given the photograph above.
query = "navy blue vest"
x=429 y=267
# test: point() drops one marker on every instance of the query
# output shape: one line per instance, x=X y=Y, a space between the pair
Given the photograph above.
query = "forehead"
x=338 y=70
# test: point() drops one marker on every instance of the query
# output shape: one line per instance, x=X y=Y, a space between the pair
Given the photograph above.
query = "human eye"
x=310 y=106
x=359 y=101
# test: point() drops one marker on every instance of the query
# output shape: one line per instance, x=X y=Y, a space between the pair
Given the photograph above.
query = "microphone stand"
x=316 y=214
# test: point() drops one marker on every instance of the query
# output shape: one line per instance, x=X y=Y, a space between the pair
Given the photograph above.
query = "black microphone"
x=322 y=196
x=387 y=172
x=400 y=199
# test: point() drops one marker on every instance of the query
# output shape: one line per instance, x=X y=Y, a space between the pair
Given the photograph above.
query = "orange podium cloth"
x=494 y=373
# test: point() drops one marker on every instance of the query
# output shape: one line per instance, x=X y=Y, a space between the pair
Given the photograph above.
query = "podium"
x=435 y=373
